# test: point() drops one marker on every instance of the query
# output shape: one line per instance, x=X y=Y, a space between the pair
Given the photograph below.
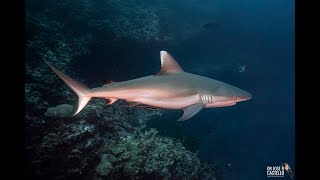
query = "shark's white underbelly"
x=168 y=103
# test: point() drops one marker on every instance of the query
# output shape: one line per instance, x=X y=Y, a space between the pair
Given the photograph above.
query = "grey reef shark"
x=170 y=88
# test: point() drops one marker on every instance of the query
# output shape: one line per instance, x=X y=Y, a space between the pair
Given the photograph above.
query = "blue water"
x=251 y=135
x=260 y=132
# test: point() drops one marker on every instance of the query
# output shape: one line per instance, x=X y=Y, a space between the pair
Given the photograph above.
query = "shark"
x=170 y=88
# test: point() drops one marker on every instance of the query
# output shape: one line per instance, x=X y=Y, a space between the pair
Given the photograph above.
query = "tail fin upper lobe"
x=84 y=94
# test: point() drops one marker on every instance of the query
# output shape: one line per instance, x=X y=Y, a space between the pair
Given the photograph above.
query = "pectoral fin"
x=190 y=111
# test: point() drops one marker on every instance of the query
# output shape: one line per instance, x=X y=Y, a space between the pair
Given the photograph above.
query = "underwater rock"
x=62 y=110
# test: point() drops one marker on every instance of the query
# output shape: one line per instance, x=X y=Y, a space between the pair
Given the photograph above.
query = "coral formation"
x=149 y=155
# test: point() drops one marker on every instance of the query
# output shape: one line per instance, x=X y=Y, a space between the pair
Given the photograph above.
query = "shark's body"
x=171 y=88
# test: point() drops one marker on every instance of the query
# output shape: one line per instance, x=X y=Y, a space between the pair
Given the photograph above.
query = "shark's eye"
x=237 y=97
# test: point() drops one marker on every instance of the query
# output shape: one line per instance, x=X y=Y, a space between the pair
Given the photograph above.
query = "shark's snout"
x=248 y=96
x=245 y=96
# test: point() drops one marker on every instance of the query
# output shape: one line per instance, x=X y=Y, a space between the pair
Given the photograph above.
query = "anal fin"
x=190 y=111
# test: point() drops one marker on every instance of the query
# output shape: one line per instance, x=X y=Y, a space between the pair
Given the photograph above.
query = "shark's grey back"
x=183 y=82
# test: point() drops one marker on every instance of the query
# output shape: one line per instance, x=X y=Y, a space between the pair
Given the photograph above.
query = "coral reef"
x=61 y=146
x=107 y=142
x=149 y=155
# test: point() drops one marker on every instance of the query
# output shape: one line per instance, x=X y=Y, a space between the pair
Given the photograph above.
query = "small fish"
x=242 y=68
x=210 y=25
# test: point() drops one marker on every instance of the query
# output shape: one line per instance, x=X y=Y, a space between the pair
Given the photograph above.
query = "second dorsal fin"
x=107 y=82
x=168 y=64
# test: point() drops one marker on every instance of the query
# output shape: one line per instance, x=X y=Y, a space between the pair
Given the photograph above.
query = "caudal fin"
x=82 y=91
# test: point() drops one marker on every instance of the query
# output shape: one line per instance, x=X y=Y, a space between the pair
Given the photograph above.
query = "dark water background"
x=251 y=135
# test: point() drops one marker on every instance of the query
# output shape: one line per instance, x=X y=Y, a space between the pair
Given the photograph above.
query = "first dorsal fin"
x=168 y=64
